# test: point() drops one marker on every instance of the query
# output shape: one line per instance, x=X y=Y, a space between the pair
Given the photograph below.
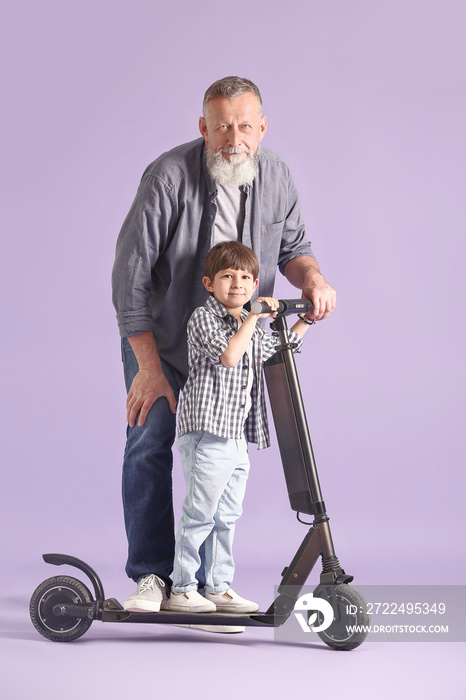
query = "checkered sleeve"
x=208 y=335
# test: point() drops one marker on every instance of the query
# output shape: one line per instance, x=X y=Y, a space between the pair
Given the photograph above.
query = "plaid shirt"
x=214 y=396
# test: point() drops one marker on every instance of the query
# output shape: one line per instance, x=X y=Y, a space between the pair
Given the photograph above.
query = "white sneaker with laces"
x=230 y=602
x=191 y=601
x=150 y=596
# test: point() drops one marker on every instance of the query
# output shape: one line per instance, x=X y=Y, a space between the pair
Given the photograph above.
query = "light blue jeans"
x=216 y=471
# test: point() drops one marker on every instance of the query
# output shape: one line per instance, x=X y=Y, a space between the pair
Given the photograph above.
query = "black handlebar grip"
x=285 y=307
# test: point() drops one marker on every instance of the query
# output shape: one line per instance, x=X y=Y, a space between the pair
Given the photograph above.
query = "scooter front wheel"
x=350 y=625
x=59 y=590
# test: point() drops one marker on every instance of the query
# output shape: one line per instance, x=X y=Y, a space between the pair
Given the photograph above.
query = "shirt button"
x=244 y=386
x=242 y=405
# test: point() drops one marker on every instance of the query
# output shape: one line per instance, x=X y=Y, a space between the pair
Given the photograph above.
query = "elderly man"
x=221 y=186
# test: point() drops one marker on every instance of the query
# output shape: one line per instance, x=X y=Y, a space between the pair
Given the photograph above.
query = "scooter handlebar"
x=285 y=307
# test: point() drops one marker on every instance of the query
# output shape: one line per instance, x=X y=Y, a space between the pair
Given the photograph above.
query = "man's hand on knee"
x=147 y=387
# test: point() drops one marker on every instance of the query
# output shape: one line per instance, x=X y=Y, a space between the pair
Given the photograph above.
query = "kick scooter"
x=62 y=608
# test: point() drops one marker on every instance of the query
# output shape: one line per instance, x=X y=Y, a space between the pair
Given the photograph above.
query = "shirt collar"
x=219 y=310
x=211 y=184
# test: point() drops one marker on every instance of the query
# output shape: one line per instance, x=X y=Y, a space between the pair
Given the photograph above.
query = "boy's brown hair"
x=230 y=255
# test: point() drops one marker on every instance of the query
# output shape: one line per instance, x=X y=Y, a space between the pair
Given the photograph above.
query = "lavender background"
x=366 y=103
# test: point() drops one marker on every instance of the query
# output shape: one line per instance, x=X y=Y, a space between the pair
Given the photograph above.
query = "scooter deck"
x=167 y=617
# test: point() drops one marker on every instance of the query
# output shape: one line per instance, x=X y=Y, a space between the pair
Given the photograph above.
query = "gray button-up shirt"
x=160 y=252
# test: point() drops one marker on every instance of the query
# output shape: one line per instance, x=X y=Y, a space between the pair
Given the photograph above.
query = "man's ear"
x=203 y=128
x=263 y=127
x=208 y=284
x=256 y=282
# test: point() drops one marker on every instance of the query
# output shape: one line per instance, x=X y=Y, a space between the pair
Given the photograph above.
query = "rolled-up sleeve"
x=143 y=237
x=295 y=242
x=206 y=334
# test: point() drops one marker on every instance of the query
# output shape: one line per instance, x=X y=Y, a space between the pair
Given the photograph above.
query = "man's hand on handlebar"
x=322 y=296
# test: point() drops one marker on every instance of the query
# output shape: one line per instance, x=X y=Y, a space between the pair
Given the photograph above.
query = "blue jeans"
x=147 y=482
x=216 y=471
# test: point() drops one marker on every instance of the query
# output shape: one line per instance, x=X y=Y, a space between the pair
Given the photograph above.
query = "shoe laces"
x=149 y=582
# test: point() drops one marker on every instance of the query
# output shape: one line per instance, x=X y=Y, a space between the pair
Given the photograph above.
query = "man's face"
x=234 y=127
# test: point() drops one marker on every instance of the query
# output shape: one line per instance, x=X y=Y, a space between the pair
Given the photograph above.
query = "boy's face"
x=232 y=288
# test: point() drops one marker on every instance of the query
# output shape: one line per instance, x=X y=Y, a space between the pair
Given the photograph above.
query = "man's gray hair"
x=230 y=87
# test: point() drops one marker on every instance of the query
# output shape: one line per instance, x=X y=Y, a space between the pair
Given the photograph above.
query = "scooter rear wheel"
x=55 y=591
x=350 y=626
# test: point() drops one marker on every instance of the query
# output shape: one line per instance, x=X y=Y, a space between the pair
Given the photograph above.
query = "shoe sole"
x=219 y=629
x=140 y=608
x=236 y=610
x=194 y=609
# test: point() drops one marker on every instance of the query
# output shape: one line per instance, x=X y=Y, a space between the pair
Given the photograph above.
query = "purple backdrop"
x=366 y=103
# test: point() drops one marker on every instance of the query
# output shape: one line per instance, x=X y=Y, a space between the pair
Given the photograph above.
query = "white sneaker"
x=150 y=596
x=231 y=602
x=192 y=601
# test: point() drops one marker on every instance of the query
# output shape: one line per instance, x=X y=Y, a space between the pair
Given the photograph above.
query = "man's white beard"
x=226 y=172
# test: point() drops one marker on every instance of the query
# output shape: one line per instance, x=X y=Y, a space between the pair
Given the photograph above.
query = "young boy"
x=222 y=409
